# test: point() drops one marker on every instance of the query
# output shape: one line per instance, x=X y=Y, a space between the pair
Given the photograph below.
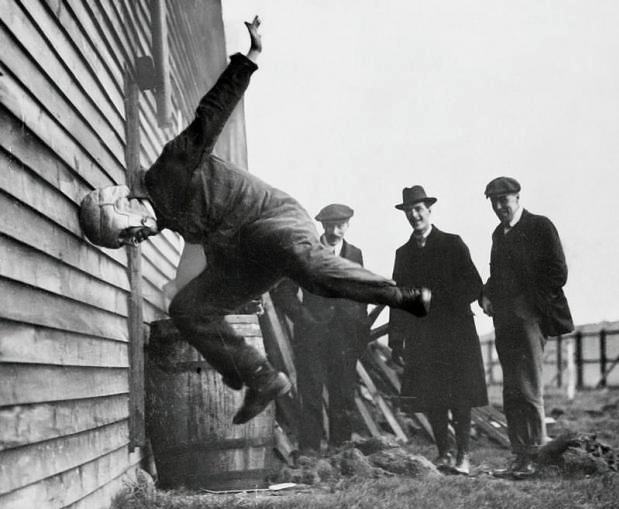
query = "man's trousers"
x=324 y=358
x=520 y=345
x=237 y=274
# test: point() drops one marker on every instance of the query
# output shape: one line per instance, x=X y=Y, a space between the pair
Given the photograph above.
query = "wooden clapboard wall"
x=64 y=361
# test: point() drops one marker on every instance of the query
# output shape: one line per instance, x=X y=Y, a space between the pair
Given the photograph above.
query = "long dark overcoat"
x=443 y=363
x=529 y=261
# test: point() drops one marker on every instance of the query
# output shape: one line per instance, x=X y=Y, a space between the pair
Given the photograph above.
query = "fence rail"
x=577 y=358
x=570 y=356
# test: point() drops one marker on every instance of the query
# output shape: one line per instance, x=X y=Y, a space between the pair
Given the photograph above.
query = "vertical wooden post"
x=579 y=360
x=559 y=362
x=490 y=358
x=137 y=431
x=161 y=60
x=570 y=370
x=603 y=358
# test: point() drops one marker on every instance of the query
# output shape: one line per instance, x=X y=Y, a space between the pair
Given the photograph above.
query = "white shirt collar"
x=337 y=249
x=421 y=239
x=516 y=218
x=425 y=234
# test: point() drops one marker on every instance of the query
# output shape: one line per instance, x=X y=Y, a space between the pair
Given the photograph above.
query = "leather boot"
x=520 y=467
x=263 y=386
x=416 y=300
x=463 y=464
x=444 y=462
x=232 y=381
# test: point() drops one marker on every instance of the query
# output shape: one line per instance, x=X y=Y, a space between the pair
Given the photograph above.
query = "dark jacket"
x=443 y=364
x=343 y=320
x=529 y=262
x=208 y=200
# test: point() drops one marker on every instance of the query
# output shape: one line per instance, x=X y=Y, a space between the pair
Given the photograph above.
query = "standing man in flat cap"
x=329 y=337
x=441 y=354
x=524 y=296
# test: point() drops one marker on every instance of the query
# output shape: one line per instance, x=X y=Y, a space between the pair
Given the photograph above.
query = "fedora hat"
x=412 y=195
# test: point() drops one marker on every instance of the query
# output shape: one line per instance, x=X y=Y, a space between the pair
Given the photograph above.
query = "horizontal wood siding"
x=64 y=339
x=91 y=485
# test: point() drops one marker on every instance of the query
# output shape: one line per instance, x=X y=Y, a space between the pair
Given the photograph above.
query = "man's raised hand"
x=255 y=38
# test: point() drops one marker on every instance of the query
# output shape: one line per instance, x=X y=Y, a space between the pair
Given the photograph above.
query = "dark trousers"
x=282 y=243
x=197 y=312
x=520 y=345
x=439 y=420
x=326 y=360
x=232 y=278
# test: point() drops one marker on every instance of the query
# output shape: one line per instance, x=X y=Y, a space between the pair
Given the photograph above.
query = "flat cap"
x=501 y=186
x=335 y=212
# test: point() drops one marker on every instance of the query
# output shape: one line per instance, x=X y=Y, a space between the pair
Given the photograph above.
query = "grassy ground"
x=590 y=412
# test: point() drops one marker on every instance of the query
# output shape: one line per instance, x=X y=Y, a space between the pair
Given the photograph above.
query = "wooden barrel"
x=189 y=414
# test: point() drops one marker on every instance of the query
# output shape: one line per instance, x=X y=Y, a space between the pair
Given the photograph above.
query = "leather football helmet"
x=106 y=212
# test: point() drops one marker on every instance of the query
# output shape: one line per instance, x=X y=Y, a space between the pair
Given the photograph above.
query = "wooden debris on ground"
x=387 y=380
x=377 y=396
x=552 y=452
x=381 y=404
x=491 y=423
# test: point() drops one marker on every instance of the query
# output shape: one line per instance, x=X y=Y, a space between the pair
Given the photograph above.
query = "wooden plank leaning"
x=366 y=415
x=381 y=404
x=279 y=351
x=491 y=422
x=377 y=354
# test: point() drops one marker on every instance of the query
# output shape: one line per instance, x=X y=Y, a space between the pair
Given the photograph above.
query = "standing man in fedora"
x=329 y=337
x=441 y=354
x=524 y=296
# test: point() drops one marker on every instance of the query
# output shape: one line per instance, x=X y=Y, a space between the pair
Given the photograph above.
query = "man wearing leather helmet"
x=252 y=234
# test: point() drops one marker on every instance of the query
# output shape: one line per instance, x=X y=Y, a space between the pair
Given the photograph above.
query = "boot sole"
x=266 y=398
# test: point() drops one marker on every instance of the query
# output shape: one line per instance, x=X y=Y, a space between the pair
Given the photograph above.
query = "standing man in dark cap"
x=329 y=337
x=443 y=367
x=524 y=296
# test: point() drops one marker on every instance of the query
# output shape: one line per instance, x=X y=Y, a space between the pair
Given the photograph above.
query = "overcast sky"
x=356 y=99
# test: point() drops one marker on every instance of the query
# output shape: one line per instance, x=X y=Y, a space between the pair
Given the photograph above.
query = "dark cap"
x=335 y=212
x=412 y=195
x=501 y=186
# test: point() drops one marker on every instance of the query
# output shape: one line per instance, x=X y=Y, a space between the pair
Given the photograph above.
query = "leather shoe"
x=416 y=300
x=444 y=462
x=462 y=466
x=525 y=470
x=258 y=396
x=506 y=472
x=521 y=467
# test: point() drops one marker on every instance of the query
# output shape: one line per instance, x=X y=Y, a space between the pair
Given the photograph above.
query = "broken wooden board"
x=381 y=404
x=366 y=416
x=492 y=423
x=378 y=355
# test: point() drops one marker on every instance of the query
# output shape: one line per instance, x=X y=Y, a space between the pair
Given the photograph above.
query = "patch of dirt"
x=365 y=459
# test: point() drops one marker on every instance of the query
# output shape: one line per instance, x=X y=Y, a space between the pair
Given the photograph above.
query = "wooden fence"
x=581 y=359
x=585 y=358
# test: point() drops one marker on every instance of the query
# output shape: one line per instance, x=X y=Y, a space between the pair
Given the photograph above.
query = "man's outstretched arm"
x=219 y=102
x=185 y=151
